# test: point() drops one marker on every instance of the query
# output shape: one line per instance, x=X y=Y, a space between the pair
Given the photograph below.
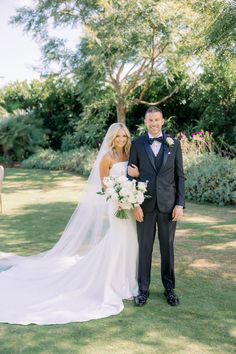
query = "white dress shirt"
x=156 y=145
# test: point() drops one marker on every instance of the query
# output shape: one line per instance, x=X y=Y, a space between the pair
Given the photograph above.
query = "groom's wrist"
x=179 y=206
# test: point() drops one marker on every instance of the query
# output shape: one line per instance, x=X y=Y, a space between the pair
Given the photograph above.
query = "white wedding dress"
x=56 y=289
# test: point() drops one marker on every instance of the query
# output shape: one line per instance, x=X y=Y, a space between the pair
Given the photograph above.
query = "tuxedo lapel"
x=165 y=157
x=149 y=151
x=166 y=151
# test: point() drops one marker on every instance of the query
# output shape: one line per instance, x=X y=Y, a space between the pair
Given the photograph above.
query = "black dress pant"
x=146 y=235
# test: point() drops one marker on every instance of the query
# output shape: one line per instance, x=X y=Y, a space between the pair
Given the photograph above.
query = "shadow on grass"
x=36 y=229
x=23 y=179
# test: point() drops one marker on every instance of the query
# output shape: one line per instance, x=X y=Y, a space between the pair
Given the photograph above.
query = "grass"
x=37 y=205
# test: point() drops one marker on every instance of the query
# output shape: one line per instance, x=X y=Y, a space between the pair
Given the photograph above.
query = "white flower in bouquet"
x=142 y=186
x=123 y=206
x=109 y=192
x=121 y=179
x=114 y=197
x=125 y=193
x=109 y=182
x=140 y=198
x=132 y=199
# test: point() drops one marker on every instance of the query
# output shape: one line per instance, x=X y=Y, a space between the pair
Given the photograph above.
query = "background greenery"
x=210 y=178
x=177 y=54
x=36 y=207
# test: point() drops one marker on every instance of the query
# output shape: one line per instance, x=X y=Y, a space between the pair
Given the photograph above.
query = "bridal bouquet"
x=125 y=193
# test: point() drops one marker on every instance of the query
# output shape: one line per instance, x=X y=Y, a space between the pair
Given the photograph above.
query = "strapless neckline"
x=116 y=163
x=118 y=169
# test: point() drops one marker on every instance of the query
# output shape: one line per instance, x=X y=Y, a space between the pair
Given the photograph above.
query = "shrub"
x=5 y=160
x=78 y=160
x=210 y=178
x=19 y=137
x=87 y=133
x=70 y=142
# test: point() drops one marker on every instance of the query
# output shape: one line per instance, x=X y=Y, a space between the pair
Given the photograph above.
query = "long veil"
x=86 y=227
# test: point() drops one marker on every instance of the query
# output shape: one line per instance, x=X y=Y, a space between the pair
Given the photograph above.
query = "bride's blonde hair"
x=111 y=135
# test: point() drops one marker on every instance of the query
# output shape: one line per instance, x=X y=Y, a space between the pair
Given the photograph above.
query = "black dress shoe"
x=141 y=298
x=171 y=297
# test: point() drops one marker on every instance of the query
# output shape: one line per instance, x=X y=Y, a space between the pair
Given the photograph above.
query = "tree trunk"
x=121 y=111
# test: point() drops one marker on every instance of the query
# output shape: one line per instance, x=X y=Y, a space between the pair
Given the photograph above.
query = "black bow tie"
x=159 y=139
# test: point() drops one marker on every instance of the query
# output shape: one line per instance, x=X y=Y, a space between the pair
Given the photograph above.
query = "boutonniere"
x=169 y=141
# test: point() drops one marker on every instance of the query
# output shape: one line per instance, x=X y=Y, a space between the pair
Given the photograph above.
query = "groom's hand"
x=177 y=213
x=133 y=171
x=138 y=214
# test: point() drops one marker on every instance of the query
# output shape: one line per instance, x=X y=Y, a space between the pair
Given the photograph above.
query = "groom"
x=159 y=160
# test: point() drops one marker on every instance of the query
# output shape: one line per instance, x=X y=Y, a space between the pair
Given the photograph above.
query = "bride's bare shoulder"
x=105 y=166
x=106 y=160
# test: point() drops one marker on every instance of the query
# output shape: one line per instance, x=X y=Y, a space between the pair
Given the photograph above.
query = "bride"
x=92 y=267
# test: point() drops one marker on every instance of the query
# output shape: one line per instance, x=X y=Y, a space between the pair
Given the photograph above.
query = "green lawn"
x=36 y=207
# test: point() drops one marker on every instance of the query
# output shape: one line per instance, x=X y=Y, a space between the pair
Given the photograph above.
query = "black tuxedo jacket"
x=165 y=186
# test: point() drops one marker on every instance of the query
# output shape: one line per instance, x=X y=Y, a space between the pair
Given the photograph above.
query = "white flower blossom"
x=140 y=197
x=170 y=141
x=109 y=192
x=142 y=186
x=114 y=197
x=109 y=182
x=124 y=193
x=121 y=179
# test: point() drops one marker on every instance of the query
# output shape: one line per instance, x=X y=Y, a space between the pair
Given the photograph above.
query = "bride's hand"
x=138 y=214
x=133 y=171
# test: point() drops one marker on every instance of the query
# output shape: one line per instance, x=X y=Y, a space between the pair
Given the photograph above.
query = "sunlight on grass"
x=222 y=246
x=230 y=227
x=229 y=276
x=204 y=263
x=232 y=332
x=199 y=219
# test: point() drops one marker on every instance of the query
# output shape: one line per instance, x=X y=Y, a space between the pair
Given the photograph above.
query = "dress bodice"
x=119 y=169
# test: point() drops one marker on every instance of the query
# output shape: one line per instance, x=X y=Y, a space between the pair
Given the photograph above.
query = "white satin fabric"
x=62 y=289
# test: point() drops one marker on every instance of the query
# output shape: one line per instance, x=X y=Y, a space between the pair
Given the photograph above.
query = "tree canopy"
x=124 y=46
x=128 y=55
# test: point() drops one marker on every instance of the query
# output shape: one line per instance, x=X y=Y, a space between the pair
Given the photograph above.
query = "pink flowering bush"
x=197 y=143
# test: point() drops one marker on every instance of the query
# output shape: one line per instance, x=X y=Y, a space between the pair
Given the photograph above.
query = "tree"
x=53 y=100
x=125 y=45
x=221 y=33
x=214 y=97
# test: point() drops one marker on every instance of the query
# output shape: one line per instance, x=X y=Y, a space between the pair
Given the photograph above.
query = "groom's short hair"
x=153 y=109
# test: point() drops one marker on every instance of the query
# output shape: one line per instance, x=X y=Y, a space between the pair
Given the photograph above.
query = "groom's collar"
x=146 y=135
x=151 y=136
